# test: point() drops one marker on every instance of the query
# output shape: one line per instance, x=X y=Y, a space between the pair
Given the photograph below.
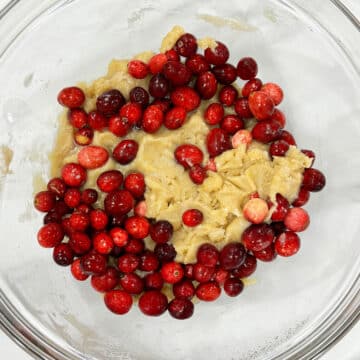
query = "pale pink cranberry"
x=297 y=219
x=232 y=256
x=188 y=155
x=279 y=148
x=71 y=97
x=214 y=114
x=257 y=237
x=231 y=124
x=247 y=68
x=192 y=217
x=137 y=69
x=157 y=62
x=206 y=85
x=186 y=45
x=181 y=308
x=281 y=209
x=256 y=210
x=261 y=105
x=251 y=86
x=186 y=97
x=225 y=74
x=211 y=165
x=274 y=91
x=118 y=301
x=92 y=157
x=233 y=287
x=241 y=137
x=313 y=180
x=227 y=95
x=208 y=291
x=287 y=243
x=268 y=254
x=217 y=141
x=140 y=208
x=197 y=174
x=217 y=56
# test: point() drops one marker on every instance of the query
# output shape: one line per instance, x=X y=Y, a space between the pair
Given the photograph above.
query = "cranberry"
x=148 y=261
x=211 y=165
x=137 y=226
x=177 y=73
x=287 y=244
x=192 y=217
x=140 y=208
x=132 y=283
x=302 y=198
x=97 y=121
x=225 y=74
x=98 y=219
x=93 y=263
x=137 y=69
x=268 y=254
x=109 y=180
x=286 y=136
x=231 y=124
x=266 y=131
x=282 y=207
x=175 y=118
x=217 y=141
x=261 y=105
x=71 y=97
x=128 y=263
x=172 y=272
x=257 y=237
x=118 y=301
x=220 y=275
x=73 y=174
x=214 y=114
x=52 y=217
x=208 y=255
x=44 y=201
x=83 y=209
x=241 y=107
x=84 y=136
x=188 y=155
x=119 y=126
x=203 y=273
x=118 y=202
x=217 y=56
x=255 y=210
x=197 y=64
x=153 y=303
x=117 y=220
x=152 y=119
x=278 y=227
x=274 y=91
x=57 y=187
x=208 y=291
x=186 y=45
x=232 y=256
x=131 y=113
x=185 y=97
x=50 y=235
x=227 y=95
x=78 y=118
x=247 y=268
x=65 y=224
x=92 y=157
x=110 y=102
x=184 y=289
x=197 y=174
x=77 y=271
x=297 y=219
x=139 y=96
x=181 y=309
x=279 y=148
x=157 y=62
x=247 y=68
x=79 y=221
x=153 y=281
x=163 y=104
x=165 y=252
x=241 y=137
x=279 y=116
x=310 y=154
x=135 y=183
x=105 y=282
x=161 y=231
x=125 y=152
x=189 y=271
x=206 y=85
x=63 y=254
x=172 y=55
x=72 y=197
x=61 y=208
x=79 y=242
x=135 y=246
x=313 y=180
x=158 y=86
x=233 y=287
x=119 y=236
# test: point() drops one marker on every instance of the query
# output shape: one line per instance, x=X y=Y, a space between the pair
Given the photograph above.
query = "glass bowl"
x=298 y=306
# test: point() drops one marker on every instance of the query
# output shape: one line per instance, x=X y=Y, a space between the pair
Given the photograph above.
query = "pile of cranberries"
x=107 y=243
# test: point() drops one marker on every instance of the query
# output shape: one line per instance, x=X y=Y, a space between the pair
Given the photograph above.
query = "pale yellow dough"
x=169 y=190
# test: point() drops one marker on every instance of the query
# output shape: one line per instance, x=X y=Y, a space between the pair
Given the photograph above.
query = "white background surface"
x=347 y=349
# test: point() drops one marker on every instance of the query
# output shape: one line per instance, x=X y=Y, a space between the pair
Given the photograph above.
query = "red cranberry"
x=83 y=209
x=77 y=272
x=274 y=91
x=189 y=271
x=241 y=107
x=119 y=126
x=247 y=68
x=266 y=131
x=261 y=105
x=257 y=237
x=109 y=180
x=197 y=174
x=72 y=198
x=44 y=201
x=297 y=219
x=186 y=45
x=188 y=155
x=93 y=263
x=279 y=116
x=247 y=268
x=118 y=202
x=225 y=74
x=92 y=157
x=98 y=219
x=137 y=226
x=203 y=273
x=157 y=62
x=302 y=198
x=172 y=55
x=197 y=64
x=286 y=136
x=57 y=187
x=208 y=255
x=152 y=119
x=153 y=303
x=78 y=118
x=161 y=231
x=172 y=272
x=65 y=224
x=192 y=217
x=135 y=246
x=217 y=141
x=154 y=281
x=268 y=254
x=227 y=95
x=206 y=85
x=231 y=124
x=52 y=217
x=73 y=174
x=84 y=136
x=165 y=252
x=97 y=121
x=278 y=227
x=110 y=102
x=137 y=69
x=132 y=283
x=119 y=236
x=232 y=256
x=251 y=86
x=50 y=235
x=279 y=148
x=125 y=152
x=282 y=207
x=214 y=114
x=63 y=254
x=175 y=118
x=148 y=261
x=163 y=104
x=135 y=183
x=310 y=154
x=209 y=291
x=139 y=96
x=185 y=97
x=233 y=287
x=184 y=289
x=217 y=56
x=131 y=113
x=313 y=180
x=118 y=301
x=61 y=208
x=128 y=263
x=287 y=244
x=177 y=73
x=158 y=86
x=79 y=221
x=71 y=97
x=106 y=281
x=79 y=242
x=181 y=309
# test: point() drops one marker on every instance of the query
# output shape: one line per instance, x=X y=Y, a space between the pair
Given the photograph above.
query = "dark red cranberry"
x=268 y=254
x=217 y=56
x=288 y=137
x=209 y=291
x=214 y=113
x=233 y=286
x=278 y=227
x=125 y=152
x=109 y=180
x=203 y=273
x=232 y=256
x=247 y=68
x=225 y=74
x=181 y=309
x=217 y=141
x=44 y=201
x=206 y=85
x=78 y=118
x=231 y=124
x=163 y=104
x=135 y=183
x=189 y=271
x=57 y=187
x=153 y=303
x=192 y=217
x=279 y=148
x=247 y=268
x=302 y=198
x=184 y=289
x=197 y=64
x=110 y=102
x=52 y=217
x=227 y=95
x=117 y=220
x=161 y=231
x=257 y=237
x=313 y=180
x=107 y=281
x=175 y=118
x=118 y=202
x=50 y=235
x=197 y=174
x=93 y=263
x=71 y=97
x=279 y=116
x=186 y=97
x=63 y=254
x=251 y=86
x=172 y=55
x=188 y=155
x=310 y=154
x=139 y=96
x=148 y=261
x=266 y=131
x=97 y=121
x=208 y=255
x=154 y=281
x=186 y=45
x=135 y=246
x=79 y=242
x=241 y=107
x=158 y=86
x=61 y=208
x=132 y=283
x=282 y=207
x=177 y=73
x=165 y=252
x=128 y=263
x=118 y=301
x=152 y=119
